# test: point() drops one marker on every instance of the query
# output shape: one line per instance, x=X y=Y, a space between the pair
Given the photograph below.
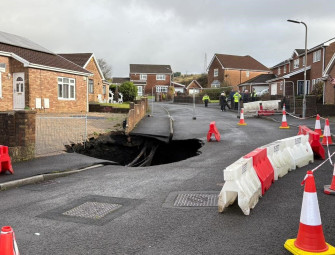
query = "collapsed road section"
x=137 y=151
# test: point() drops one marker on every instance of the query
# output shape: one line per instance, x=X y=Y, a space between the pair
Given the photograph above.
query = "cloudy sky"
x=175 y=32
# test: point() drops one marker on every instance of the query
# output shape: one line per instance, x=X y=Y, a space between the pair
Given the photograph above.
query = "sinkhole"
x=137 y=151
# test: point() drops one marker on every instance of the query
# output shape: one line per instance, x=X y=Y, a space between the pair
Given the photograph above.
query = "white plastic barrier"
x=280 y=159
x=241 y=181
x=270 y=105
x=252 y=106
x=299 y=149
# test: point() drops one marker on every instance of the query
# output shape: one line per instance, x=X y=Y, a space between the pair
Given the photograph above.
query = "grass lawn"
x=123 y=105
x=214 y=101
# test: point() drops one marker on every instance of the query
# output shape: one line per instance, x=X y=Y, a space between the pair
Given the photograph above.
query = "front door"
x=18 y=91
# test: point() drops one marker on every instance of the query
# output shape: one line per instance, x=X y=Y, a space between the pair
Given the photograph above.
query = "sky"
x=180 y=33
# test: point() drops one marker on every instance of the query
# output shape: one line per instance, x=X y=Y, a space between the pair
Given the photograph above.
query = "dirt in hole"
x=136 y=150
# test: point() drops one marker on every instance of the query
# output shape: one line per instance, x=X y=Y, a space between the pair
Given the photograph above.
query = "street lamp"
x=305 y=85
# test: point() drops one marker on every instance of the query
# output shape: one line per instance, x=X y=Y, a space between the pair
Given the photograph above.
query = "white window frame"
x=143 y=77
x=161 y=89
x=284 y=68
x=104 y=89
x=278 y=70
x=70 y=84
x=296 y=63
x=215 y=85
x=303 y=61
x=216 y=72
x=316 y=56
x=160 y=77
x=247 y=74
x=90 y=86
x=0 y=85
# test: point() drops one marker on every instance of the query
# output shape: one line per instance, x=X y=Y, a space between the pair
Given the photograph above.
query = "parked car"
x=262 y=92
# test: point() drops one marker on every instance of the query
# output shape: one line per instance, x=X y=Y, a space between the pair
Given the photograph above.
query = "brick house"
x=290 y=73
x=194 y=87
x=328 y=77
x=230 y=70
x=148 y=78
x=97 y=89
x=36 y=78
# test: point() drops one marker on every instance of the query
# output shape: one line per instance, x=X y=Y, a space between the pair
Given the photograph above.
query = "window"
x=0 y=87
x=66 y=88
x=284 y=68
x=160 y=77
x=316 y=56
x=216 y=72
x=143 y=77
x=90 y=86
x=139 y=90
x=296 y=63
x=162 y=89
x=104 y=90
x=247 y=73
x=278 y=70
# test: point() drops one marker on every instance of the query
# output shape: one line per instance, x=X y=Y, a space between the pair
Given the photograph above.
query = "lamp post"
x=305 y=85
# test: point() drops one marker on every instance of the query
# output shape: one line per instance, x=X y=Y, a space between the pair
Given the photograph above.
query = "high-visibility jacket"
x=237 y=97
x=205 y=97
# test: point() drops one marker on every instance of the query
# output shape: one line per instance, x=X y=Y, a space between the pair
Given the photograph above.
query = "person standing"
x=205 y=99
x=237 y=97
x=231 y=97
x=223 y=102
x=253 y=95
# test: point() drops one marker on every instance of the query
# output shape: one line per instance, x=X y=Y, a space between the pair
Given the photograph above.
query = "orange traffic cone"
x=284 y=108
x=326 y=134
x=242 y=123
x=330 y=189
x=310 y=237
x=317 y=128
x=8 y=244
x=284 y=121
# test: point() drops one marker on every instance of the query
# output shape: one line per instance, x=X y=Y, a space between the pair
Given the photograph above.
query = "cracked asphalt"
x=147 y=225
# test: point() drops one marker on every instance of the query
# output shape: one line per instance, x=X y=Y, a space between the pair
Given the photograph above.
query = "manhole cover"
x=92 y=210
x=196 y=199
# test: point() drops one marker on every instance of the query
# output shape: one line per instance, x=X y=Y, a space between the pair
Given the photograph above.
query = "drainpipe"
x=87 y=106
x=323 y=69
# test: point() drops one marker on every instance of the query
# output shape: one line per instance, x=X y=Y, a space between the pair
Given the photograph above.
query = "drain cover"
x=192 y=199
x=92 y=210
x=196 y=200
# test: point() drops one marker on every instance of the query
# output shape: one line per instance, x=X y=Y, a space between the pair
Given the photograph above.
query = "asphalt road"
x=148 y=222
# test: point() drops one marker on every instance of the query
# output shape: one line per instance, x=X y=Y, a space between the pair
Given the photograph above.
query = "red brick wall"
x=44 y=84
x=97 y=81
x=17 y=131
x=215 y=65
x=136 y=113
x=330 y=90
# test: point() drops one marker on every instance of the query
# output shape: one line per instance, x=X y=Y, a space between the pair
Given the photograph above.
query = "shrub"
x=128 y=90
x=214 y=94
x=318 y=91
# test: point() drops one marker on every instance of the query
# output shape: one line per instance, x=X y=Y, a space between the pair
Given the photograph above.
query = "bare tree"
x=105 y=68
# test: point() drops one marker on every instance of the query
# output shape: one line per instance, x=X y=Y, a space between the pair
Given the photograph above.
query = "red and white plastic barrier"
x=241 y=182
x=262 y=167
x=279 y=158
x=299 y=149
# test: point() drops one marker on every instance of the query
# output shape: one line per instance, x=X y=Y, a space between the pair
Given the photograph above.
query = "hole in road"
x=137 y=151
